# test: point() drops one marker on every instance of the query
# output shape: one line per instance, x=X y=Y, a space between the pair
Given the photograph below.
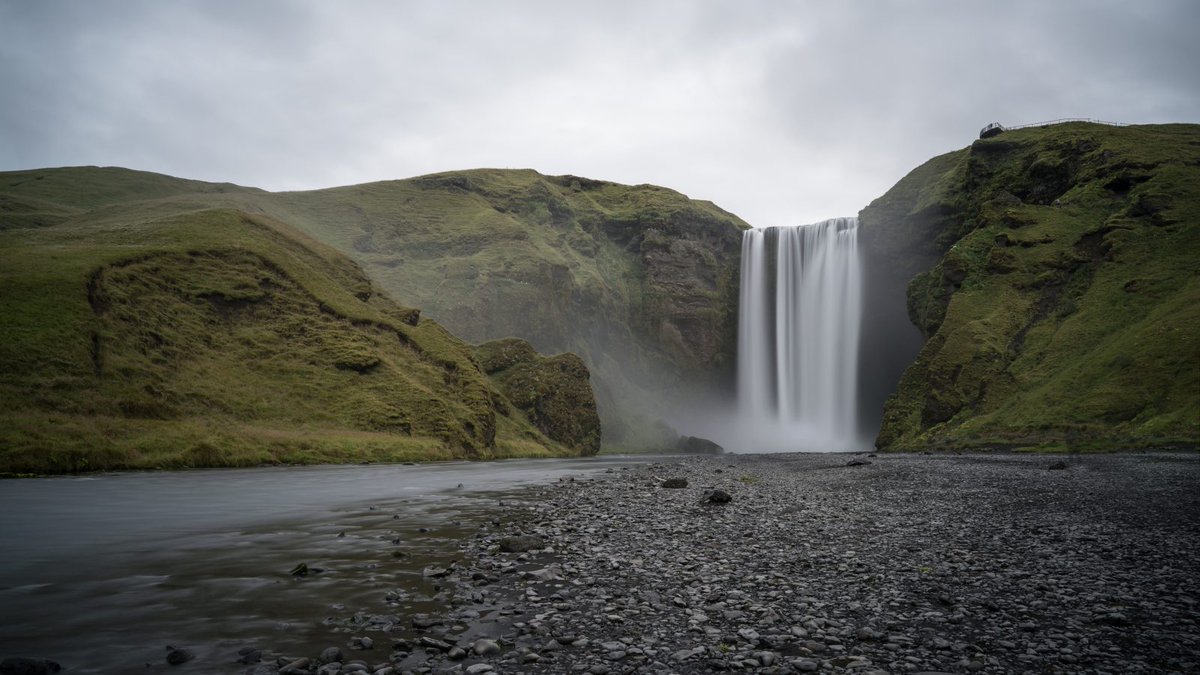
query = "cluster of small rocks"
x=906 y=564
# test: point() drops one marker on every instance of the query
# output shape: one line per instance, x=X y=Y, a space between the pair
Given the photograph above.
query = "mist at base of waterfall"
x=747 y=434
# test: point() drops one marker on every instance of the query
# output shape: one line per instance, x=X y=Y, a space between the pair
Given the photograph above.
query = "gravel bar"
x=989 y=563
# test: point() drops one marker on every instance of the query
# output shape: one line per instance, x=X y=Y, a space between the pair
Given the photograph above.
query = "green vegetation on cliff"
x=155 y=322
x=640 y=281
x=1054 y=277
x=553 y=392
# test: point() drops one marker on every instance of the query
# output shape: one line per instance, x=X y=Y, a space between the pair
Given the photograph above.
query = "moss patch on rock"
x=553 y=392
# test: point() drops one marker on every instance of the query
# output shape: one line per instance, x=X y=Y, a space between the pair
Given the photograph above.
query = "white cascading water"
x=798 y=327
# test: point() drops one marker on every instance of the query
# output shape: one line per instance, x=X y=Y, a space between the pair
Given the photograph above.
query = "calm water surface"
x=102 y=572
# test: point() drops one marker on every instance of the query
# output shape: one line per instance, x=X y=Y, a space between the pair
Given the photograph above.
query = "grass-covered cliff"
x=155 y=322
x=1053 y=274
x=640 y=281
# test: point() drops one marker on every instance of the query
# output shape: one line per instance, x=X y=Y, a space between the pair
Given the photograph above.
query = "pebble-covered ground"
x=897 y=564
x=993 y=564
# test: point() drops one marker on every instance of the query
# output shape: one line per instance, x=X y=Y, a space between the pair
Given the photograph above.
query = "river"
x=102 y=572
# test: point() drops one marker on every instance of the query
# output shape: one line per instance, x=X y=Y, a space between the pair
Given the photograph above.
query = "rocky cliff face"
x=640 y=281
x=1051 y=273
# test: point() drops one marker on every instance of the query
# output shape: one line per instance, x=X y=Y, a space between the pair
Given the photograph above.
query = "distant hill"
x=640 y=281
x=1053 y=275
x=154 y=322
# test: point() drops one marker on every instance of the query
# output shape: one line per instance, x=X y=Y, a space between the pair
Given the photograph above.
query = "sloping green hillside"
x=638 y=280
x=147 y=322
x=1057 y=286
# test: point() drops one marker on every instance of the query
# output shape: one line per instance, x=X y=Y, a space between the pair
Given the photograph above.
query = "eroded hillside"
x=145 y=326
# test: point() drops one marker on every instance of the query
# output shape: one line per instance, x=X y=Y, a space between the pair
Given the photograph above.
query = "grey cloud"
x=779 y=111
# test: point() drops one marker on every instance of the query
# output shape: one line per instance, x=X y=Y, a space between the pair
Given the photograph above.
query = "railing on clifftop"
x=995 y=128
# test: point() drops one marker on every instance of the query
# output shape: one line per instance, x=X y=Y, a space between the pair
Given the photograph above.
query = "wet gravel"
x=895 y=564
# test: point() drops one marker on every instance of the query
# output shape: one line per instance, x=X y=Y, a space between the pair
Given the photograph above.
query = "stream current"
x=101 y=572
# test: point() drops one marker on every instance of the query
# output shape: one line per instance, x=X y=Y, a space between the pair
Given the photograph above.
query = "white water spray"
x=798 y=328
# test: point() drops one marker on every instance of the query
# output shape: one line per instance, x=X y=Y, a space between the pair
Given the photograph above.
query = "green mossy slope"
x=638 y=280
x=144 y=330
x=1057 y=287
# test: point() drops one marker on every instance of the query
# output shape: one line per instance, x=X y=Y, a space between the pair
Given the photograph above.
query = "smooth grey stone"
x=485 y=647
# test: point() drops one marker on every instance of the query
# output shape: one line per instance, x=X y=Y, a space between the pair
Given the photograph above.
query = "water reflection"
x=101 y=573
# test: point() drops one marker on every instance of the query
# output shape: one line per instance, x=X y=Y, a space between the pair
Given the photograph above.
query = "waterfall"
x=798 y=327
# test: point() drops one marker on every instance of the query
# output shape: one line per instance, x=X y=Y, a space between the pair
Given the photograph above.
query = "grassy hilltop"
x=1053 y=273
x=155 y=322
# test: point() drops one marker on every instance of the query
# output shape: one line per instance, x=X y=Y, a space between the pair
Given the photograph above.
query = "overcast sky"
x=782 y=112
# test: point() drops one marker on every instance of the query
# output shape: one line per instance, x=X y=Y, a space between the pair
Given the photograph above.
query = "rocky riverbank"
x=905 y=564
x=818 y=563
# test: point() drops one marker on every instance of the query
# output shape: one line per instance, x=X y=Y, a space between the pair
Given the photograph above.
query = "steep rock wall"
x=1051 y=274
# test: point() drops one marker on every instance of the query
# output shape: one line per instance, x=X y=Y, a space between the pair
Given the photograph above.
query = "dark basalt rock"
x=698 y=446
x=434 y=643
x=177 y=656
x=521 y=543
x=297 y=667
x=675 y=483
x=19 y=665
x=303 y=570
x=435 y=572
x=717 y=497
x=425 y=622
